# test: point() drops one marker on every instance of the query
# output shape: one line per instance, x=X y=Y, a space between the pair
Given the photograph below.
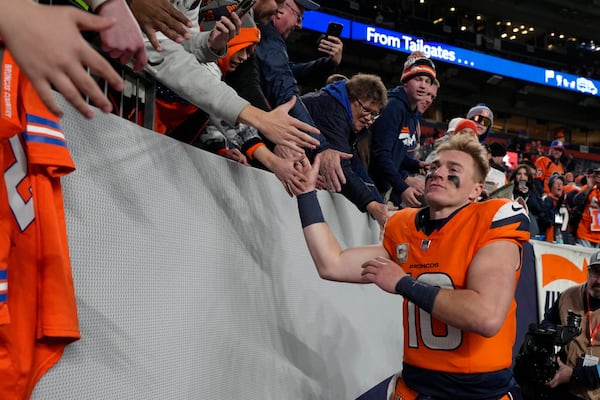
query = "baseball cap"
x=452 y=125
x=307 y=4
x=594 y=260
x=557 y=144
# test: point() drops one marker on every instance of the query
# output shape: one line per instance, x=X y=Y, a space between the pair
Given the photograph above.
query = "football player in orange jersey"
x=456 y=262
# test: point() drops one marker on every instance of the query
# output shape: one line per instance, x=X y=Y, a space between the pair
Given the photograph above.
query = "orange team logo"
x=558 y=267
x=558 y=273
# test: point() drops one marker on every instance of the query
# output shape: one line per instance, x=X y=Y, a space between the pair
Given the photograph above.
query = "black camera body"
x=536 y=363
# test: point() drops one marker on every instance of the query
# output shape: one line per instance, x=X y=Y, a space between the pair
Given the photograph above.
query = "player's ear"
x=476 y=192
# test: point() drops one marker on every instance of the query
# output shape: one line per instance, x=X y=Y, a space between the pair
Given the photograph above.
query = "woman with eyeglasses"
x=343 y=111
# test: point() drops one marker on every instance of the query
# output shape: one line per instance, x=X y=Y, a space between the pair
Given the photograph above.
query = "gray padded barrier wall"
x=193 y=281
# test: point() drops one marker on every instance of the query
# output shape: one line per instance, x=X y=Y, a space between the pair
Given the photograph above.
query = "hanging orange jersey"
x=443 y=259
x=38 y=315
x=589 y=226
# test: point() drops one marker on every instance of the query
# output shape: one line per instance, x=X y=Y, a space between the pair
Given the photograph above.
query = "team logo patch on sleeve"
x=401 y=252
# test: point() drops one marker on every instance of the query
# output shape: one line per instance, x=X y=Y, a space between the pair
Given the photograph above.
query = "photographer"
x=579 y=376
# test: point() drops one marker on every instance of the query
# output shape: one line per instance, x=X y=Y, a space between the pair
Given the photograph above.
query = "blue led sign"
x=405 y=43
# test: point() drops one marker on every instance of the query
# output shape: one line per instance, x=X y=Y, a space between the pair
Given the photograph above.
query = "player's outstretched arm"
x=331 y=261
x=46 y=43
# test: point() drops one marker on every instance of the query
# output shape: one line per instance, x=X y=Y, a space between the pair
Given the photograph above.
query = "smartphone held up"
x=244 y=7
x=333 y=29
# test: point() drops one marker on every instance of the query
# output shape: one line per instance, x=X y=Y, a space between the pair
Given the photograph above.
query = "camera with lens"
x=536 y=363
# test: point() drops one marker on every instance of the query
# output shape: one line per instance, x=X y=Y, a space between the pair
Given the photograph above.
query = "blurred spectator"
x=549 y=165
x=394 y=134
x=335 y=77
x=452 y=126
x=178 y=67
x=422 y=107
x=246 y=78
x=533 y=150
x=456 y=126
x=554 y=214
x=342 y=111
x=587 y=204
x=484 y=118
x=496 y=177
x=498 y=152
x=570 y=184
x=466 y=127
x=277 y=78
x=35 y=51
x=524 y=188
x=432 y=93
x=580 y=181
x=588 y=176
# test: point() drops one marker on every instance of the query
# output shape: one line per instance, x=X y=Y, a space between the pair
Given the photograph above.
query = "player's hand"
x=383 y=272
x=310 y=172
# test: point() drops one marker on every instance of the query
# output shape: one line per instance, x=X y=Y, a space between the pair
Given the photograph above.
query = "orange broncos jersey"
x=589 y=226
x=38 y=314
x=545 y=169
x=442 y=259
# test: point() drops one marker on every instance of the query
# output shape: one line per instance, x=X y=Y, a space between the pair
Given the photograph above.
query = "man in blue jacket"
x=394 y=133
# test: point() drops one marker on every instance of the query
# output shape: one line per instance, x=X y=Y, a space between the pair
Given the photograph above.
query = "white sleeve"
x=94 y=4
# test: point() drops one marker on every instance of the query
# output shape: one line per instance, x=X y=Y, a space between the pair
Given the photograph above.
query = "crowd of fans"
x=227 y=78
x=225 y=87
